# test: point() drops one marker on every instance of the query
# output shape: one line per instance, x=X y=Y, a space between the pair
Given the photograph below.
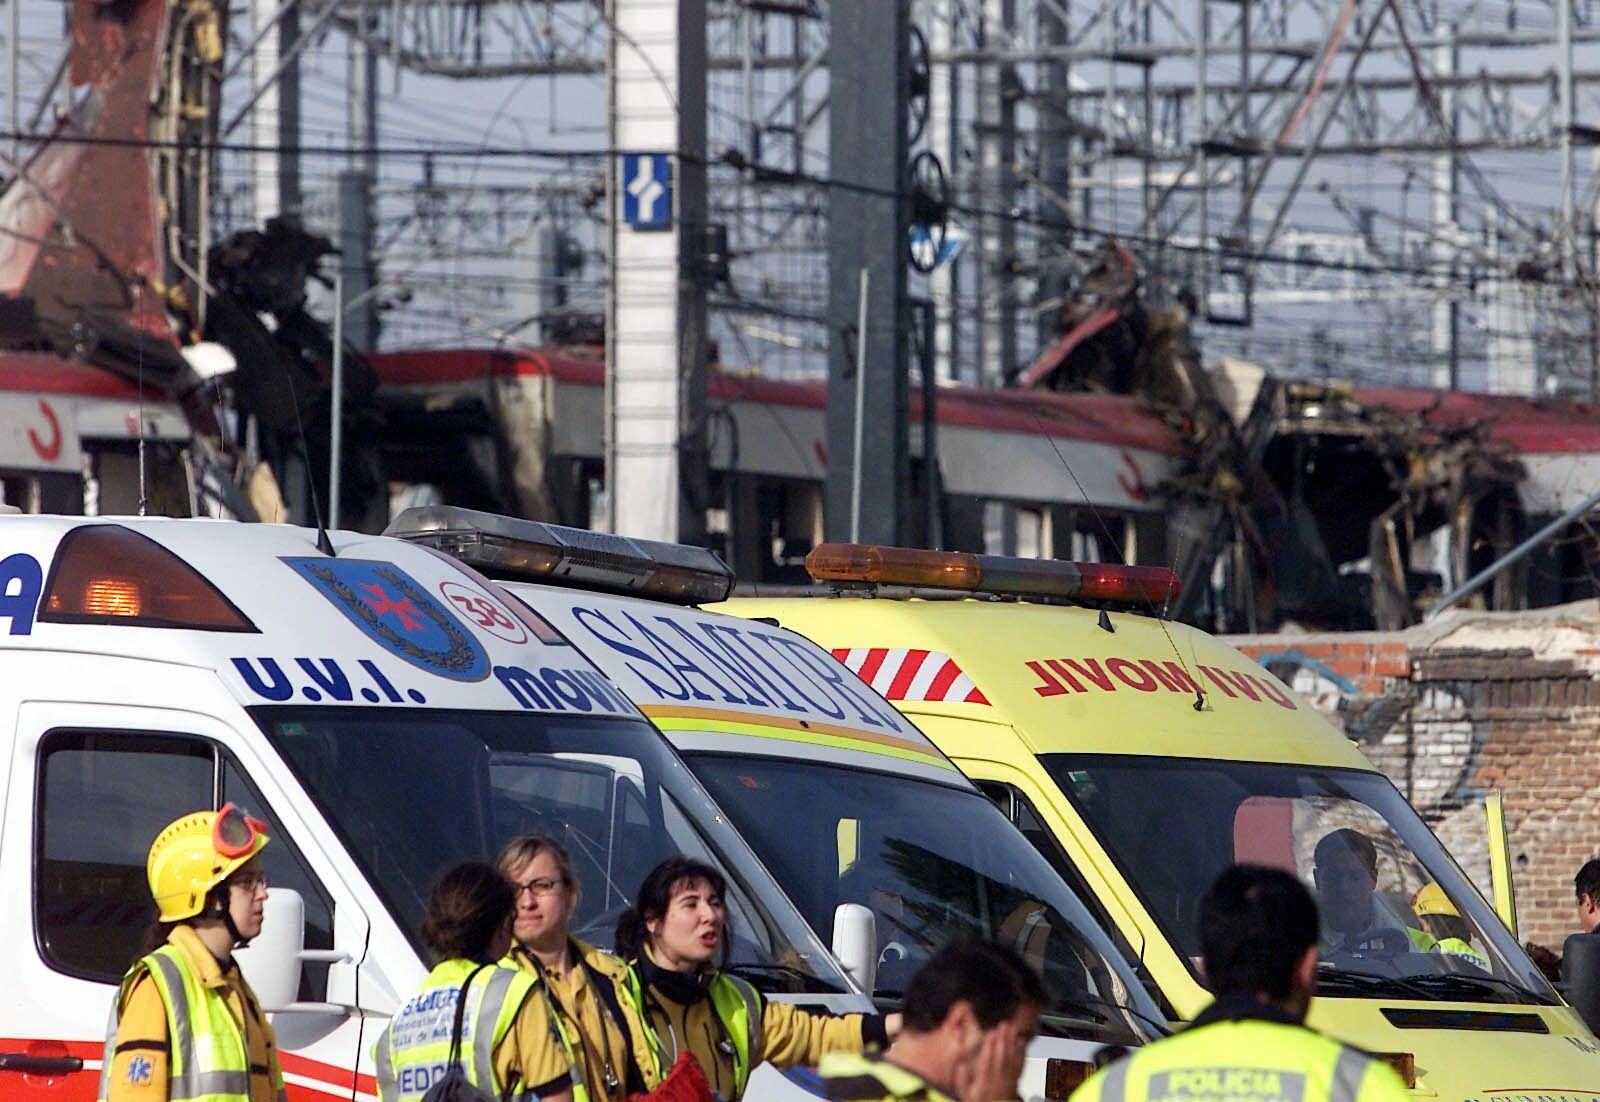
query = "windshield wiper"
x=1427 y=985
x=1459 y=982
x=759 y=972
x=1370 y=983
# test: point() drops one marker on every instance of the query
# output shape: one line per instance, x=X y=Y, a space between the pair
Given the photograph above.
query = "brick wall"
x=1479 y=702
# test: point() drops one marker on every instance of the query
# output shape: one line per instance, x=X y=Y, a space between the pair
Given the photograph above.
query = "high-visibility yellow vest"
x=208 y=1060
x=414 y=1051
x=1421 y=940
x=580 y=1092
x=1246 y=1061
x=1459 y=947
x=737 y=1006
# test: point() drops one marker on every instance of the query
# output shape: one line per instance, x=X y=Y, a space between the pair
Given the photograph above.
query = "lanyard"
x=607 y=1011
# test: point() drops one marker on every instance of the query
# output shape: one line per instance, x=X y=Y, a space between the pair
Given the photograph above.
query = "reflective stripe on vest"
x=632 y=992
x=737 y=1006
x=1459 y=947
x=580 y=1092
x=1263 y=1069
x=854 y=1075
x=207 y=1059
x=414 y=1050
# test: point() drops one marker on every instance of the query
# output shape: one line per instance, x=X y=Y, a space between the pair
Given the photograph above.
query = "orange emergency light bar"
x=994 y=574
x=506 y=547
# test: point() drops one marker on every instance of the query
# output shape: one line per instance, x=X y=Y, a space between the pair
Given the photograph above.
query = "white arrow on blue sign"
x=647 y=190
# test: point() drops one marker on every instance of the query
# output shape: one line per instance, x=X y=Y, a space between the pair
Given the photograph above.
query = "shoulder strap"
x=461 y=1014
x=605 y=990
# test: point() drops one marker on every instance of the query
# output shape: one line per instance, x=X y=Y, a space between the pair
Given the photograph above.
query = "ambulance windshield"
x=411 y=792
x=934 y=863
x=1399 y=918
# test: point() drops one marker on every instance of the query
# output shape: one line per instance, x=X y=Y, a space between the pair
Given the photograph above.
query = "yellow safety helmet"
x=195 y=853
x=1431 y=900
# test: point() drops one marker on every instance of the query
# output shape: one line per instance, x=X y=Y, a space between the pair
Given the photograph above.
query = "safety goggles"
x=234 y=833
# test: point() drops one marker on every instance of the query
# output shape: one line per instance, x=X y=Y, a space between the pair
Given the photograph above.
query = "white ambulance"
x=845 y=801
x=378 y=705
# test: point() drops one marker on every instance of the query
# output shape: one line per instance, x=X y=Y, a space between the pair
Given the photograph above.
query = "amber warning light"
x=109 y=574
x=995 y=574
x=110 y=597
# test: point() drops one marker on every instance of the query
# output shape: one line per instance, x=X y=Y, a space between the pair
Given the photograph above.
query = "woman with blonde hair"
x=605 y=1039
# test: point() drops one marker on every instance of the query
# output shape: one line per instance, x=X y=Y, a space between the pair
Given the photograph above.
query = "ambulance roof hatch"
x=508 y=548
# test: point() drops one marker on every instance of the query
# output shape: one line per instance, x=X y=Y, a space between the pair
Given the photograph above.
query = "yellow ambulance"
x=869 y=829
x=1142 y=757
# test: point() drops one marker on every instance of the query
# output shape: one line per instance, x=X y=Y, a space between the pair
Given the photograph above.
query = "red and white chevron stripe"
x=906 y=673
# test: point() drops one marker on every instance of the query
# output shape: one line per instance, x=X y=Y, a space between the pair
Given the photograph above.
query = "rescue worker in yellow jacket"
x=675 y=941
x=1451 y=934
x=1258 y=937
x=186 y=1024
x=970 y=1011
x=509 y=1046
x=603 y=1037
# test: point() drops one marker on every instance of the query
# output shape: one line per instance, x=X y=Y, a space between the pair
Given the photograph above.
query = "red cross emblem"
x=383 y=604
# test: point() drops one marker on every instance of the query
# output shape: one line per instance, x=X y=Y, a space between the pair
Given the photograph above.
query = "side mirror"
x=1580 y=975
x=855 y=943
x=271 y=963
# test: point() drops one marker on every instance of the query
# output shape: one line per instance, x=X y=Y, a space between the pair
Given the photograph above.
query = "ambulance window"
x=286 y=868
x=742 y=917
x=103 y=798
x=1027 y=821
x=1000 y=796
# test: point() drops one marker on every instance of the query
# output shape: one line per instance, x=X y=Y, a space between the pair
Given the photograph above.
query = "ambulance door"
x=97 y=784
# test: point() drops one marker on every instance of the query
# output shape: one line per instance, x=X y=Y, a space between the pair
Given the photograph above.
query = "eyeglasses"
x=234 y=833
x=249 y=882
x=542 y=886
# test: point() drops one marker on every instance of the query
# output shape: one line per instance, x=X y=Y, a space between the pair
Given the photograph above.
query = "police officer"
x=509 y=1046
x=673 y=939
x=186 y=1024
x=1258 y=934
x=970 y=1011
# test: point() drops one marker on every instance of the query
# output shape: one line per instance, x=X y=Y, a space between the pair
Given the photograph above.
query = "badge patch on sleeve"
x=139 y=1071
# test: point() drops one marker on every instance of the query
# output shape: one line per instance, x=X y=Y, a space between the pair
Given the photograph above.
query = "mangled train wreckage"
x=1330 y=505
x=1325 y=505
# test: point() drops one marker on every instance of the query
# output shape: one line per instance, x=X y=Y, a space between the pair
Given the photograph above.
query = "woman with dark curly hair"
x=675 y=941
